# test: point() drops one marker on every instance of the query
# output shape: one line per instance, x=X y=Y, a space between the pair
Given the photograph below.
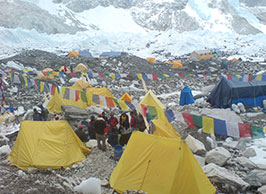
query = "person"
x=91 y=127
x=104 y=117
x=36 y=115
x=124 y=129
x=113 y=137
x=133 y=121
x=140 y=123
x=100 y=125
x=113 y=122
x=44 y=113
x=56 y=117
x=81 y=134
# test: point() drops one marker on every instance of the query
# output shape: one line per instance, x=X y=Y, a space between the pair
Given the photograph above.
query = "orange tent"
x=73 y=54
x=176 y=64
x=151 y=60
x=126 y=97
x=234 y=59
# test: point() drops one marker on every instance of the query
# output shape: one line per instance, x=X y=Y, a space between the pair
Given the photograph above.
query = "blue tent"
x=111 y=54
x=228 y=92
x=186 y=96
x=85 y=53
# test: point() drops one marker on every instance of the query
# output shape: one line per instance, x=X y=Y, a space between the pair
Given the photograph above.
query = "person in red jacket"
x=133 y=121
x=113 y=122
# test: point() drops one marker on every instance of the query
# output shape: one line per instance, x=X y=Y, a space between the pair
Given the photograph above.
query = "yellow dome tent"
x=175 y=64
x=163 y=127
x=81 y=68
x=73 y=54
x=159 y=165
x=80 y=85
x=46 y=73
x=62 y=69
x=126 y=97
x=151 y=60
x=49 y=144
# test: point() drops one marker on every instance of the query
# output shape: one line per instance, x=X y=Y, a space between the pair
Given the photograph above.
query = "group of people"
x=117 y=131
x=43 y=116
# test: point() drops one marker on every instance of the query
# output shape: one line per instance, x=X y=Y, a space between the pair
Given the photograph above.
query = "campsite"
x=208 y=147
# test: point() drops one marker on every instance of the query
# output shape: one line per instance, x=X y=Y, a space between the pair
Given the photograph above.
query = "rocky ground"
x=100 y=164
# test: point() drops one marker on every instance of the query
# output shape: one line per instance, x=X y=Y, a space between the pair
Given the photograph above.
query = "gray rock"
x=3 y=142
x=32 y=170
x=249 y=152
x=195 y=145
x=256 y=178
x=262 y=190
x=32 y=191
x=219 y=174
x=246 y=162
x=218 y=156
x=72 y=112
x=241 y=144
x=200 y=159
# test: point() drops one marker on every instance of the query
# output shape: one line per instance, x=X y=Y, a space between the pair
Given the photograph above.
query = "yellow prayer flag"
x=208 y=125
x=123 y=105
x=41 y=86
x=26 y=81
x=10 y=75
x=259 y=77
x=139 y=76
x=165 y=75
x=112 y=75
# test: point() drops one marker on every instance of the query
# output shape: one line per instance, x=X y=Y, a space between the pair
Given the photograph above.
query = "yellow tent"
x=49 y=144
x=73 y=54
x=126 y=97
x=200 y=55
x=162 y=125
x=81 y=84
x=81 y=68
x=176 y=64
x=62 y=69
x=151 y=60
x=46 y=73
x=56 y=101
x=159 y=165
x=98 y=91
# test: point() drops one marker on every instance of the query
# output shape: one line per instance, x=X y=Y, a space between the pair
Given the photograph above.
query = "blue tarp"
x=228 y=92
x=85 y=53
x=186 y=96
x=111 y=54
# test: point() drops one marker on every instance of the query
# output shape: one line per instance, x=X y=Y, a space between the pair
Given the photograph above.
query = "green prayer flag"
x=257 y=132
x=197 y=120
x=83 y=96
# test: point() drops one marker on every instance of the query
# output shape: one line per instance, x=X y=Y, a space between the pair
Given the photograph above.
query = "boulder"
x=72 y=112
x=219 y=174
x=256 y=178
x=241 y=144
x=195 y=145
x=3 y=141
x=218 y=156
x=5 y=150
x=246 y=162
x=262 y=190
x=250 y=152
x=200 y=160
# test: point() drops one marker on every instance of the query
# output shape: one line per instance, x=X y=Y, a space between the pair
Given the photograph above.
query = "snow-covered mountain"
x=142 y=27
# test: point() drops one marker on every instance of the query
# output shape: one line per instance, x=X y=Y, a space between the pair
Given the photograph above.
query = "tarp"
x=46 y=144
x=151 y=60
x=186 y=97
x=126 y=97
x=85 y=53
x=158 y=165
x=228 y=92
x=56 y=101
x=80 y=68
x=111 y=54
x=81 y=84
x=73 y=54
x=62 y=69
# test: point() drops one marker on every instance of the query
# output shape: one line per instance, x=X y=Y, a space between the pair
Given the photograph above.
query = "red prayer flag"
x=77 y=95
x=109 y=102
x=155 y=77
x=180 y=74
x=244 y=130
x=229 y=77
x=101 y=74
x=73 y=74
x=250 y=77
x=53 y=89
x=188 y=118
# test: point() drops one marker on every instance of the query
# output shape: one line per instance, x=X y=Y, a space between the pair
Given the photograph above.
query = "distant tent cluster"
x=87 y=53
x=200 y=55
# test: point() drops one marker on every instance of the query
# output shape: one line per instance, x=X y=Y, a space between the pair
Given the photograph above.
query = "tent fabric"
x=186 y=96
x=164 y=129
x=151 y=60
x=56 y=101
x=85 y=53
x=111 y=54
x=176 y=64
x=159 y=165
x=81 y=84
x=200 y=55
x=228 y=92
x=49 y=144
x=42 y=76
x=73 y=54
x=62 y=69
x=81 y=68
x=126 y=97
